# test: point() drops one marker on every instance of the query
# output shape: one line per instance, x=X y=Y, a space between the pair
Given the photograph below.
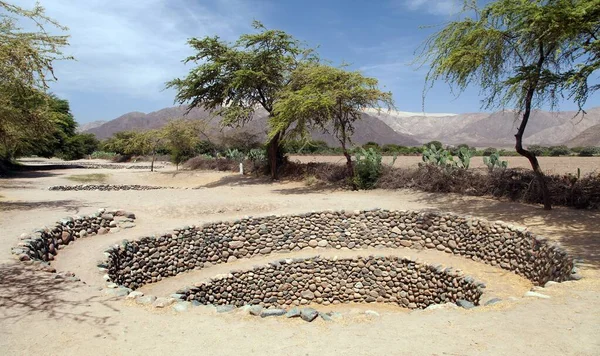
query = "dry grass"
x=89 y=178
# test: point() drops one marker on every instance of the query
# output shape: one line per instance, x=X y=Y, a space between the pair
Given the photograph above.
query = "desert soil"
x=42 y=315
x=552 y=165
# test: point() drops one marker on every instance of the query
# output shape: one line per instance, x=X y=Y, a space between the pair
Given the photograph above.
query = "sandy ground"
x=42 y=315
x=554 y=165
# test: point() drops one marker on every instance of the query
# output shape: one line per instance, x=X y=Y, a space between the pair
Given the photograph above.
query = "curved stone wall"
x=149 y=259
x=327 y=281
x=43 y=244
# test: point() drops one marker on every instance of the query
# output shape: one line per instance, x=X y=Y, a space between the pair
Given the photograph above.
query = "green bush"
x=489 y=151
x=539 y=150
x=559 y=151
x=437 y=144
x=588 y=151
x=102 y=155
x=373 y=145
x=493 y=161
x=367 y=168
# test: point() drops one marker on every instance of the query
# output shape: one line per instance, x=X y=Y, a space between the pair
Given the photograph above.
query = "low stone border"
x=283 y=283
x=43 y=244
x=106 y=187
x=149 y=259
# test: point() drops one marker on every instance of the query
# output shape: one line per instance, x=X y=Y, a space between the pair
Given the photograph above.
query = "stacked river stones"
x=106 y=187
x=43 y=244
x=333 y=281
x=150 y=259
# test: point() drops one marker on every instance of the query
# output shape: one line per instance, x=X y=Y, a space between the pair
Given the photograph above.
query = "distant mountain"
x=90 y=125
x=589 y=137
x=401 y=128
x=495 y=129
x=370 y=128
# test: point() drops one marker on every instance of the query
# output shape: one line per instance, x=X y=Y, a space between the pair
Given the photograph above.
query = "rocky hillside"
x=589 y=137
x=476 y=129
x=370 y=128
x=496 y=129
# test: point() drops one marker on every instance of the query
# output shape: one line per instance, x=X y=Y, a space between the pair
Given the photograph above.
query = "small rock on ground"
x=145 y=300
x=308 y=314
x=465 y=304
x=272 y=312
x=224 y=308
x=536 y=295
x=163 y=302
x=134 y=295
x=255 y=310
x=181 y=306
x=493 y=301
x=293 y=313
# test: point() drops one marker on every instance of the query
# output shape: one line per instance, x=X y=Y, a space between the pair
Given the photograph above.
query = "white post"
x=241 y=169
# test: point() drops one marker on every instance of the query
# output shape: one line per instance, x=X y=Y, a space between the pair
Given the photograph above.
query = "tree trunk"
x=152 y=164
x=275 y=156
x=529 y=155
x=349 y=167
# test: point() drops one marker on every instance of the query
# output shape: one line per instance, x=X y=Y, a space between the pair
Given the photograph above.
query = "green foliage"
x=234 y=154
x=559 y=151
x=588 y=151
x=102 y=155
x=489 y=151
x=367 y=168
x=493 y=161
x=233 y=79
x=373 y=145
x=28 y=118
x=444 y=158
x=538 y=150
x=510 y=46
x=437 y=144
x=181 y=137
x=464 y=157
x=78 y=146
x=437 y=156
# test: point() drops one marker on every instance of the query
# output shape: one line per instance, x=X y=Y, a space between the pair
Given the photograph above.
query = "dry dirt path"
x=42 y=315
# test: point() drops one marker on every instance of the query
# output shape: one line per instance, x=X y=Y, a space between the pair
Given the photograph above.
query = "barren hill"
x=495 y=129
x=370 y=128
x=589 y=137
x=476 y=129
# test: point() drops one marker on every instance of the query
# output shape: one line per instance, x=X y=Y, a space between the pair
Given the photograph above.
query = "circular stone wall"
x=332 y=281
x=149 y=259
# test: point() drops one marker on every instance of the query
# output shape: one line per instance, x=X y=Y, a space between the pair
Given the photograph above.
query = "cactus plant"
x=493 y=161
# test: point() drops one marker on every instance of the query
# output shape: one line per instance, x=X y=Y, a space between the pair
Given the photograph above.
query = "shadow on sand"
x=26 y=293
x=576 y=230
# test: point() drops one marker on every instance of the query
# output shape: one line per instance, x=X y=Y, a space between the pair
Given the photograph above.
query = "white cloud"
x=435 y=7
x=132 y=47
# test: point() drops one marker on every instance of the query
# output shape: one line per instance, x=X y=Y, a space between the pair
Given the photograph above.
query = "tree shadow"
x=26 y=293
x=576 y=230
x=307 y=189
x=72 y=206
x=237 y=180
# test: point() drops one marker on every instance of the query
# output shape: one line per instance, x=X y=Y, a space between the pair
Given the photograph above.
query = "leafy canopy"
x=233 y=79
x=328 y=98
x=512 y=46
x=26 y=68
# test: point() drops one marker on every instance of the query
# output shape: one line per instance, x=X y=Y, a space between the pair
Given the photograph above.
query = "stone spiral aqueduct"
x=287 y=282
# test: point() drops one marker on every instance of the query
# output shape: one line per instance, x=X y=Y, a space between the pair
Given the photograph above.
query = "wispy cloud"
x=133 y=47
x=434 y=7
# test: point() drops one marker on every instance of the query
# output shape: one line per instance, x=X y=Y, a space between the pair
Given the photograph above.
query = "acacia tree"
x=181 y=138
x=522 y=53
x=234 y=79
x=331 y=99
x=26 y=68
x=146 y=142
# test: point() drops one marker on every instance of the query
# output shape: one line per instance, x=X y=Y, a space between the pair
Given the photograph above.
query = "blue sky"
x=126 y=50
